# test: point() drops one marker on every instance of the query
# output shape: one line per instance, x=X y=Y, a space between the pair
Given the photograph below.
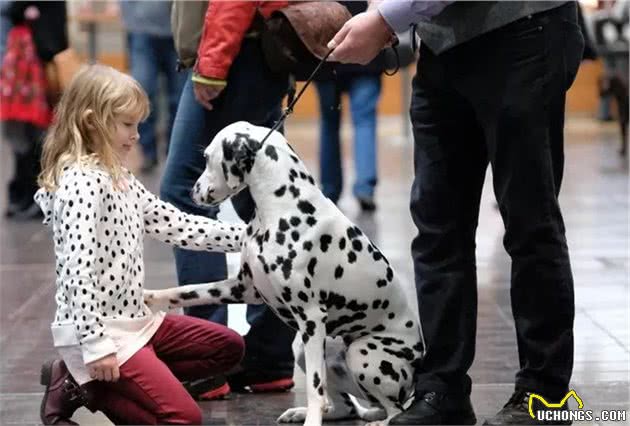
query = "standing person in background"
x=26 y=109
x=490 y=88
x=5 y=25
x=229 y=81
x=363 y=85
x=152 y=54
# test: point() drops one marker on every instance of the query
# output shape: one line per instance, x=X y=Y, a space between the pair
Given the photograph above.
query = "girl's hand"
x=105 y=369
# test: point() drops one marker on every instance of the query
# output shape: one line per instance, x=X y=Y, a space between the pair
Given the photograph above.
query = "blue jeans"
x=254 y=94
x=364 y=91
x=5 y=27
x=151 y=56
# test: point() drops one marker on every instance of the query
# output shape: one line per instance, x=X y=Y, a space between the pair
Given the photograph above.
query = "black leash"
x=293 y=100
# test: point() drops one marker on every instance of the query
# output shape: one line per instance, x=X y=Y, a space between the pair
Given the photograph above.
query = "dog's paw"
x=293 y=415
x=373 y=414
x=156 y=300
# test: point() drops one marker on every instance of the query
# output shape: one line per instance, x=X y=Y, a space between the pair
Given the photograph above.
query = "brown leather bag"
x=61 y=70
x=294 y=38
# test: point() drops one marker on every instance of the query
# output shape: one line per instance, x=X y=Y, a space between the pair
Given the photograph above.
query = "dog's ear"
x=238 y=158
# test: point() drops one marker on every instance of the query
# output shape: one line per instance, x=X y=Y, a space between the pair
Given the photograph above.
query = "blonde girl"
x=116 y=355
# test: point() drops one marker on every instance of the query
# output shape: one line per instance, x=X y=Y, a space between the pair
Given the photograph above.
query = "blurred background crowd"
x=136 y=37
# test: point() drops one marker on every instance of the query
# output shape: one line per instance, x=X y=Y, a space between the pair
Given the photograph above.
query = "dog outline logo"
x=569 y=394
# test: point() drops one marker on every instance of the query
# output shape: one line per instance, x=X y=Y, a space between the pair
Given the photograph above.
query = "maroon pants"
x=149 y=391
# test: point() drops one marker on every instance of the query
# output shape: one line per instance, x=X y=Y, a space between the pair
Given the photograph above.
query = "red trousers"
x=149 y=391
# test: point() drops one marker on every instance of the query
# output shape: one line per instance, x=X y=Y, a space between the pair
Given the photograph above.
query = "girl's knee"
x=192 y=415
x=188 y=414
x=234 y=348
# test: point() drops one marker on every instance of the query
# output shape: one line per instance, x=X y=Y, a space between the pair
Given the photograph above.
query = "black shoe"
x=367 y=203
x=258 y=380
x=208 y=389
x=434 y=408
x=516 y=412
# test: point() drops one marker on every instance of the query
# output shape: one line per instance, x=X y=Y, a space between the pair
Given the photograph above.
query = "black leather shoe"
x=516 y=412
x=434 y=408
x=367 y=204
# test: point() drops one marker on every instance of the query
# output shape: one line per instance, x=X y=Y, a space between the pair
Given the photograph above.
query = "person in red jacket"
x=229 y=81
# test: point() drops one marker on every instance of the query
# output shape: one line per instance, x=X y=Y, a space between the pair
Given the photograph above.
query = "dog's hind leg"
x=340 y=386
x=368 y=414
x=382 y=367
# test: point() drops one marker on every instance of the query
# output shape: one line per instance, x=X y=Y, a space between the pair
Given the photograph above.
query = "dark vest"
x=465 y=20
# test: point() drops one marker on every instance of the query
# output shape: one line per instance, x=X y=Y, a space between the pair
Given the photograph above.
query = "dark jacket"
x=50 y=33
x=464 y=20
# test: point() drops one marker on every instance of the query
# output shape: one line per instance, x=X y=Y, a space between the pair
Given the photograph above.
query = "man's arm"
x=365 y=34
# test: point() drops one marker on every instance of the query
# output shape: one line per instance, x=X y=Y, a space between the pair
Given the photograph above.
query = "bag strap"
x=292 y=101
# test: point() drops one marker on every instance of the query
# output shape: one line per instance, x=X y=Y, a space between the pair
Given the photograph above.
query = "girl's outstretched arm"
x=165 y=222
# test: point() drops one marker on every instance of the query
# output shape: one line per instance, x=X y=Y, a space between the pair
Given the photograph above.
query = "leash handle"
x=289 y=109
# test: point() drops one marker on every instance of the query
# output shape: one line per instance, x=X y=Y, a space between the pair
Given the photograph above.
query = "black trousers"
x=497 y=99
x=26 y=142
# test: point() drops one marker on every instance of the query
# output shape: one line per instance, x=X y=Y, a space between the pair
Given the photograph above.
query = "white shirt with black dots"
x=98 y=233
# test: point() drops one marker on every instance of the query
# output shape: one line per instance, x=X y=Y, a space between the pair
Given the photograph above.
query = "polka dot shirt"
x=98 y=233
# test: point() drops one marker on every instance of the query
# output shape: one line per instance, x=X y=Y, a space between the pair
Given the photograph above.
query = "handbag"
x=294 y=38
x=23 y=82
x=60 y=71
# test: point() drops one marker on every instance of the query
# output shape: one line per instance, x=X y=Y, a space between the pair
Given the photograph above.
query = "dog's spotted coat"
x=318 y=272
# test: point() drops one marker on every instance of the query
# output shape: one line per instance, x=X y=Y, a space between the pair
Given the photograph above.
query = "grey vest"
x=465 y=20
x=187 y=18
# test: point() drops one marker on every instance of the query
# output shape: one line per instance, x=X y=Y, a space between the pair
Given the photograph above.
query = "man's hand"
x=361 y=38
x=105 y=368
x=205 y=93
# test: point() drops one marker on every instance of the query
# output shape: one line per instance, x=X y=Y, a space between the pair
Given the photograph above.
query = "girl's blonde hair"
x=83 y=128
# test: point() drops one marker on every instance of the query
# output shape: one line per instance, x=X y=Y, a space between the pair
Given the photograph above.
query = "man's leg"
x=174 y=80
x=518 y=95
x=193 y=130
x=364 y=94
x=523 y=114
x=144 y=68
x=330 y=163
x=450 y=162
x=184 y=164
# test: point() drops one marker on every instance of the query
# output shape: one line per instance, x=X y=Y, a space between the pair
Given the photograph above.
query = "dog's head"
x=229 y=158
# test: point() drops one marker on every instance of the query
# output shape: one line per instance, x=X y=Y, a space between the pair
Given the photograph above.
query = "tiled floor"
x=595 y=204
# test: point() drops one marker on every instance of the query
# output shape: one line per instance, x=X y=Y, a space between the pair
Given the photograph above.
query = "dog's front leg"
x=314 y=337
x=232 y=290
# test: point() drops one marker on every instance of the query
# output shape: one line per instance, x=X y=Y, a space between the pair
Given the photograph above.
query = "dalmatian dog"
x=358 y=337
